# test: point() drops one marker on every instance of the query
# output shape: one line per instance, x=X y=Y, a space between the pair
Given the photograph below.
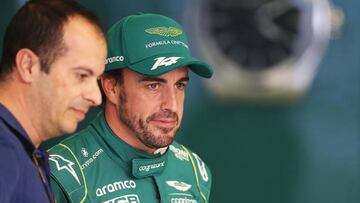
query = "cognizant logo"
x=113 y=187
x=152 y=166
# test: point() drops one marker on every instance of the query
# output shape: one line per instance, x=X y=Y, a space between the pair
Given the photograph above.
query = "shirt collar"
x=17 y=129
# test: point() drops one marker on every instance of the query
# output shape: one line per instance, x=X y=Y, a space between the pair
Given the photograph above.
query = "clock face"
x=260 y=49
x=256 y=35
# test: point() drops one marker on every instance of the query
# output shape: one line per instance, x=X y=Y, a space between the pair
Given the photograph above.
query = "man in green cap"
x=128 y=153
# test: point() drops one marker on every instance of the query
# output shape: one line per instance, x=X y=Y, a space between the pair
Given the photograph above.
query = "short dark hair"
x=39 y=26
x=117 y=75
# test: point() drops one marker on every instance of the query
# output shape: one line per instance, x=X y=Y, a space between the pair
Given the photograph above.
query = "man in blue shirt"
x=53 y=53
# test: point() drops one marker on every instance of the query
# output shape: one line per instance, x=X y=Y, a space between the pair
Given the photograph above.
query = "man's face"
x=152 y=107
x=70 y=88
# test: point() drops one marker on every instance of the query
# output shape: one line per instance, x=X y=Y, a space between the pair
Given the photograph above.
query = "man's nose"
x=169 y=100
x=93 y=94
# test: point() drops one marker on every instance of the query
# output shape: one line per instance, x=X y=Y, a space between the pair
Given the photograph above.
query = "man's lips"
x=164 y=119
x=81 y=113
x=164 y=122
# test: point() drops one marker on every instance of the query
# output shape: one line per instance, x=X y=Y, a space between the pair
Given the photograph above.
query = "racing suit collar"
x=142 y=163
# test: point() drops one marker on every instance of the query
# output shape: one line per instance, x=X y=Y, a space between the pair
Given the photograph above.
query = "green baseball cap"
x=151 y=45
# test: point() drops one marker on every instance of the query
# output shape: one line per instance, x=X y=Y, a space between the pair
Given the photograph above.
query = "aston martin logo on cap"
x=164 y=31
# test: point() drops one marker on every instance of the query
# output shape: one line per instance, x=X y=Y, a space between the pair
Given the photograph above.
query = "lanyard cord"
x=43 y=179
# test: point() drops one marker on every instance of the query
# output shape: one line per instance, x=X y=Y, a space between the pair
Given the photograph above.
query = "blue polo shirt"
x=19 y=176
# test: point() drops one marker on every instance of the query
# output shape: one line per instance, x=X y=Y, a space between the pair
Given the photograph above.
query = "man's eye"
x=153 y=86
x=181 y=86
x=81 y=76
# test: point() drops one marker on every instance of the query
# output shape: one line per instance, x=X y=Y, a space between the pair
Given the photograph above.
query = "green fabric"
x=94 y=165
x=151 y=45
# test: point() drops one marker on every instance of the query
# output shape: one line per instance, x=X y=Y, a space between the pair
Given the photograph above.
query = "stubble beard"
x=142 y=129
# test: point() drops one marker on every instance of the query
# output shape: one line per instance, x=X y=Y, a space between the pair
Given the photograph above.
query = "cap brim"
x=158 y=65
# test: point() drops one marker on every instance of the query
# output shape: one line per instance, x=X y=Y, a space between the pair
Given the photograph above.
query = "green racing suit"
x=95 y=165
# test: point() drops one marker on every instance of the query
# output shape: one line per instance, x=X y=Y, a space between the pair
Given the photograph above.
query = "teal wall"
x=305 y=152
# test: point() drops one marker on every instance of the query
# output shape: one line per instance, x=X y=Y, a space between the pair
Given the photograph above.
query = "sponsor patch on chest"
x=115 y=186
x=181 y=186
x=132 y=198
x=179 y=153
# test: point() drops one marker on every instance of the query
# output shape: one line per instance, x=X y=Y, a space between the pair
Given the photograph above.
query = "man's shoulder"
x=65 y=164
x=6 y=135
x=73 y=147
x=65 y=159
x=75 y=142
x=11 y=157
x=12 y=152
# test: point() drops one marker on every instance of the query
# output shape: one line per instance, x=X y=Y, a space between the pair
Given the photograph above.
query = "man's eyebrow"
x=184 y=79
x=152 y=79
x=81 y=68
x=162 y=80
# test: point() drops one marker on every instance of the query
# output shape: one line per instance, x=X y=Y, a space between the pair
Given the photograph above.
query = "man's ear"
x=27 y=62
x=109 y=86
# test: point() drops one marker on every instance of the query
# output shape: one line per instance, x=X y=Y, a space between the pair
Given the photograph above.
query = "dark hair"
x=117 y=76
x=39 y=26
